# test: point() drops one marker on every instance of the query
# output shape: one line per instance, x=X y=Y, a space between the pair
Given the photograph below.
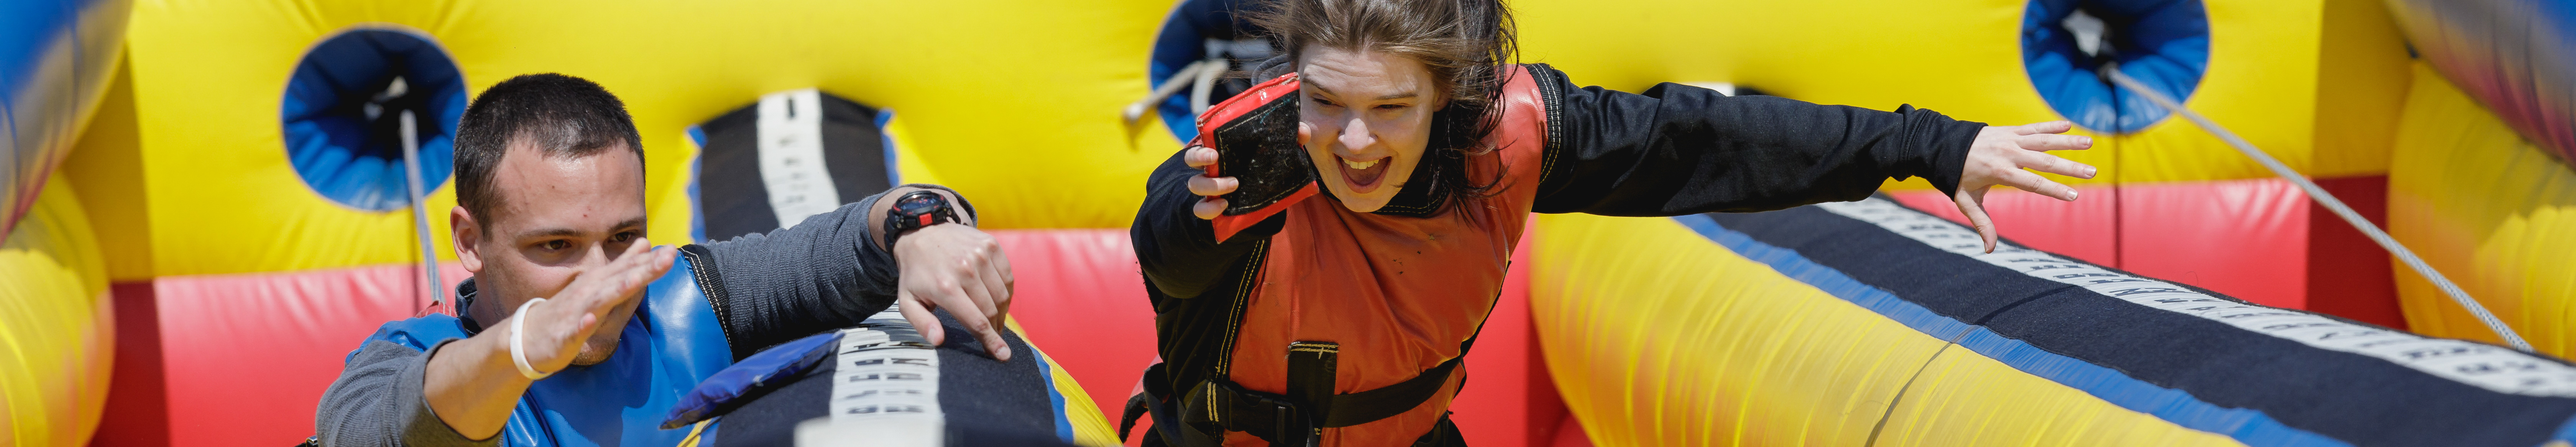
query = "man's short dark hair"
x=562 y=116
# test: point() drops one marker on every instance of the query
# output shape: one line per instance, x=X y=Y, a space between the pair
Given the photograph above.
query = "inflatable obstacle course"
x=222 y=232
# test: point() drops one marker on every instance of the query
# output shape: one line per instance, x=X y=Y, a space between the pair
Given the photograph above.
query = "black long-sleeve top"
x=1673 y=150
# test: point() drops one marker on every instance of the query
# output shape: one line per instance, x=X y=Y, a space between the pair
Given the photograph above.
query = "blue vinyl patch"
x=2162 y=43
x=342 y=116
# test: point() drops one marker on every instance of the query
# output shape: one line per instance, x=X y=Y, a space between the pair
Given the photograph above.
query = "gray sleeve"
x=378 y=401
x=825 y=273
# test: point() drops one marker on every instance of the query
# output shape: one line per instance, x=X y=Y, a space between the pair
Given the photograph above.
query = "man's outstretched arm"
x=833 y=270
x=461 y=392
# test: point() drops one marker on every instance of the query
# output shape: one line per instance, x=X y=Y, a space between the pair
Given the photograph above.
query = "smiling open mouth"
x=1363 y=176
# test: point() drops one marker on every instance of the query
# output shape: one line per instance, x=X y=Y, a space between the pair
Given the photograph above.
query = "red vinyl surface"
x=2261 y=240
x=243 y=359
x=1079 y=296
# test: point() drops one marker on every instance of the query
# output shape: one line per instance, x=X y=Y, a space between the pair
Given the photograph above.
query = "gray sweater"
x=823 y=274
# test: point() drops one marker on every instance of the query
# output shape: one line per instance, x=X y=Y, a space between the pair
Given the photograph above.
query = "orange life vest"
x=1382 y=299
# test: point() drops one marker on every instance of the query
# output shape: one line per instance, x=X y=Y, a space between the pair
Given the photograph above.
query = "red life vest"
x=1377 y=300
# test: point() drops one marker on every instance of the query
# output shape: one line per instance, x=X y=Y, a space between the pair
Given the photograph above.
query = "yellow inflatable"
x=1703 y=346
x=2316 y=82
x=56 y=325
x=225 y=199
x=2488 y=209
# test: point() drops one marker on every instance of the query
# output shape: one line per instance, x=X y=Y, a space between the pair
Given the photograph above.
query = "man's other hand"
x=1998 y=157
x=961 y=269
x=557 y=327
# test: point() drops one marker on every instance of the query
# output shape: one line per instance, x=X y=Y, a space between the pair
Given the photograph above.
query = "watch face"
x=919 y=203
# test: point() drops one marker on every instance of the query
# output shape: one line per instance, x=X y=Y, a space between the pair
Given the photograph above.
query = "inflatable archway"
x=56 y=340
x=56 y=328
x=2481 y=180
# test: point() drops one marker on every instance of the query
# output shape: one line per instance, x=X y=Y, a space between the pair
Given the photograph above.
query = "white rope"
x=1187 y=75
x=2328 y=200
x=419 y=210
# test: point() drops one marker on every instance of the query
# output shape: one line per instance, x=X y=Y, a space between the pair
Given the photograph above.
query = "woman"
x=1339 y=321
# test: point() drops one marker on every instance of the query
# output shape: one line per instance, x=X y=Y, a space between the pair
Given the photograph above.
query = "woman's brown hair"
x=1464 y=43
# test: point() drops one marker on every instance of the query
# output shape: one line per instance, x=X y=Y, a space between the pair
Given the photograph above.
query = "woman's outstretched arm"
x=1678 y=149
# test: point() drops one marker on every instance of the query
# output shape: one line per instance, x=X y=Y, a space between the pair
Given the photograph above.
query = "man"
x=576 y=331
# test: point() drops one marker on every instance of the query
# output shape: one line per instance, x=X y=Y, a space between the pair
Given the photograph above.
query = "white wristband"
x=519 y=320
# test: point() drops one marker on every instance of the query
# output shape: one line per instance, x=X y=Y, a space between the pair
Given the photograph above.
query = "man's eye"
x=557 y=245
x=624 y=237
x=1322 y=101
x=1389 y=106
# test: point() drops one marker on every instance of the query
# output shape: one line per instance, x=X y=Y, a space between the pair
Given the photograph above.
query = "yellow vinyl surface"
x=2313 y=82
x=1090 y=428
x=1013 y=103
x=2490 y=211
x=57 y=334
x=1657 y=336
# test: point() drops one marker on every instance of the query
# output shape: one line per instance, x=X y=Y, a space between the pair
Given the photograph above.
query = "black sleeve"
x=378 y=401
x=1178 y=250
x=822 y=274
x=1678 y=149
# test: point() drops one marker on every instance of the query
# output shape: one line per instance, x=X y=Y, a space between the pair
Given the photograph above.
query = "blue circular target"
x=2161 y=43
x=343 y=116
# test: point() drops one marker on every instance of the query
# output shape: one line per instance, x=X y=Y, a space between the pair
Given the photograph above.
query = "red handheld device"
x=1255 y=137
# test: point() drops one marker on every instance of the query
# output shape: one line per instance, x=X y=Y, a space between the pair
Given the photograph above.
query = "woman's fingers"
x=1198 y=156
x=2036 y=184
x=1208 y=209
x=1213 y=186
x=2055 y=165
x=2054 y=142
x=2047 y=127
x=1972 y=202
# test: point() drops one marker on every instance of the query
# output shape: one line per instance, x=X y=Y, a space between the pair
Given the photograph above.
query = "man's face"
x=556 y=217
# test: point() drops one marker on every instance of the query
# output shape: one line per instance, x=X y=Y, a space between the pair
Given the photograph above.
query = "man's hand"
x=472 y=385
x=961 y=269
x=1998 y=157
x=557 y=327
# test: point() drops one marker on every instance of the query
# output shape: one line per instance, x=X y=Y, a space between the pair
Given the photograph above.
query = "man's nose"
x=598 y=255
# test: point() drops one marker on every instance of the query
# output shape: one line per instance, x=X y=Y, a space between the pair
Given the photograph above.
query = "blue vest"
x=673 y=342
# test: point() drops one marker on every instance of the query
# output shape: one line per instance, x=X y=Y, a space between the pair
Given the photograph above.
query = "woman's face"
x=1367 y=117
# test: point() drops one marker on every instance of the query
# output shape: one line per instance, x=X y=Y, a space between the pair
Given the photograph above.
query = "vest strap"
x=1217 y=406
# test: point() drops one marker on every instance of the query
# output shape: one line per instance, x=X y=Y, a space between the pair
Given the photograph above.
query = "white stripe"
x=883 y=386
x=790 y=127
x=2485 y=366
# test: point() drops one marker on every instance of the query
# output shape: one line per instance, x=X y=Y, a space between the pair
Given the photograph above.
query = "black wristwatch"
x=916 y=210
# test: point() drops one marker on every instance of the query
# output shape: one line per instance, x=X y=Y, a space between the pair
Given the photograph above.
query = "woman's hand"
x=1212 y=188
x=1998 y=157
x=961 y=269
